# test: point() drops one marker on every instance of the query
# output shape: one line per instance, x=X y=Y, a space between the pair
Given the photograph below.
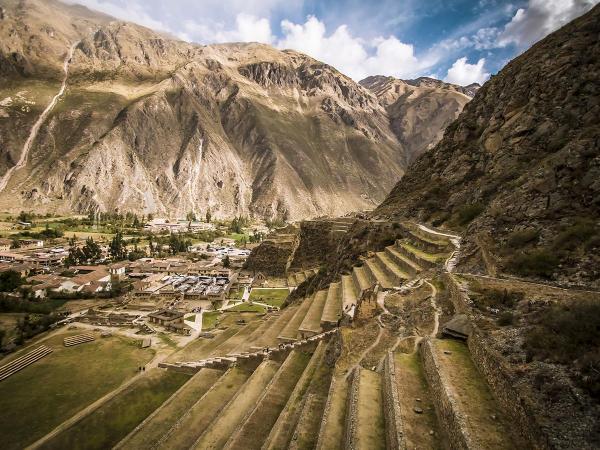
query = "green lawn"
x=46 y=393
x=209 y=319
x=246 y=307
x=273 y=297
x=236 y=294
x=110 y=423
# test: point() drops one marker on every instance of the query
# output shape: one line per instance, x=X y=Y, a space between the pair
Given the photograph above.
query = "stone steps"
x=394 y=273
x=258 y=333
x=290 y=331
x=311 y=324
x=149 y=433
x=20 y=363
x=462 y=398
x=332 y=429
x=361 y=279
x=281 y=432
x=184 y=432
x=365 y=423
x=376 y=274
x=257 y=424
x=332 y=311
x=418 y=257
x=307 y=429
x=269 y=337
x=230 y=417
x=349 y=294
x=402 y=261
x=430 y=243
x=78 y=339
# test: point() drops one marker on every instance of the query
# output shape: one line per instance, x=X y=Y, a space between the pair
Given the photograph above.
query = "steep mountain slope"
x=520 y=167
x=150 y=124
x=419 y=110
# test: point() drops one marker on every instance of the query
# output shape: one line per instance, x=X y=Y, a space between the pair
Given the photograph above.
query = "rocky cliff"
x=519 y=169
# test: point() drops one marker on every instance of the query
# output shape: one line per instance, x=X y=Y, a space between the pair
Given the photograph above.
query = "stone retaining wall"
x=460 y=300
x=451 y=421
x=351 y=426
x=414 y=258
x=394 y=434
x=503 y=385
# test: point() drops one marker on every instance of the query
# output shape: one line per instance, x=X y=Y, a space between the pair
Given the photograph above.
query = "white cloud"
x=248 y=28
x=352 y=55
x=540 y=18
x=463 y=73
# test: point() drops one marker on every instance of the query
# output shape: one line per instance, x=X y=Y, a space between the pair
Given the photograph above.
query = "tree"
x=15 y=243
x=10 y=280
x=136 y=222
x=226 y=262
x=117 y=248
x=208 y=215
x=191 y=216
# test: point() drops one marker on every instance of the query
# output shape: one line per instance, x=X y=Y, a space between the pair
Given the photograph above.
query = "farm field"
x=46 y=393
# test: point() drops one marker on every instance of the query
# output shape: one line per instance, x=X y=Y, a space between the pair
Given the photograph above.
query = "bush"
x=496 y=298
x=539 y=263
x=506 y=318
x=520 y=238
x=568 y=334
x=572 y=237
x=467 y=213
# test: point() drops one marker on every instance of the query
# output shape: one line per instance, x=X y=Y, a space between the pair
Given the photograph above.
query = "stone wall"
x=451 y=421
x=419 y=261
x=504 y=386
x=459 y=298
x=273 y=256
x=351 y=426
x=394 y=435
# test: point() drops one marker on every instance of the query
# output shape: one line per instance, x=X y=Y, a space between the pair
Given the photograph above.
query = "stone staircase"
x=243 y=407
x=20 y=363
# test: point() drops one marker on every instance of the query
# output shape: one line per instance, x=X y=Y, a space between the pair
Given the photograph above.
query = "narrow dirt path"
x=37 y=125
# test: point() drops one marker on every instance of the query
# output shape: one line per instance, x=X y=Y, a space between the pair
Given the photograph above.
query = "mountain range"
x=139 y=121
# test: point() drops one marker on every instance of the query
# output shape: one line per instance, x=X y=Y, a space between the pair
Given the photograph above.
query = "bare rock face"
x=520 y=167
x=419 y=110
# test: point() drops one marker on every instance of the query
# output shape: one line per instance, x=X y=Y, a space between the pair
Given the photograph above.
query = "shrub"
x=496 y=298
x=467 y=213
x=568 y=334
x=535 y=263
x=519 y=238
x=579 y=233
x=506 y=318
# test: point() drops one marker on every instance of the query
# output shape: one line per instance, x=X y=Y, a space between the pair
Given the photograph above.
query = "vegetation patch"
x=567 y=333
x=466 y=213
x=273 y=297
x=539 y=262
x=209 y=319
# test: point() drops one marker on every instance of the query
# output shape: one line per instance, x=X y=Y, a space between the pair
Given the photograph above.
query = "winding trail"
x=37 y=125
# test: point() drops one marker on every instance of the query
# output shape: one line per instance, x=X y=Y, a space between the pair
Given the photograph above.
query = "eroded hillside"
x=520 y=168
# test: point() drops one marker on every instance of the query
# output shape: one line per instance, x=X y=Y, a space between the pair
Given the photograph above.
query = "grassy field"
x=110 y=423
x=41 y=396
x=273 y=297
x=209 y=319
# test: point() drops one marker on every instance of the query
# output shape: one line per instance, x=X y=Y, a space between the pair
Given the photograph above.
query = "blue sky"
x=460 y=41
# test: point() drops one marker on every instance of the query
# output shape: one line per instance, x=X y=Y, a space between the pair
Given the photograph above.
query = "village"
x=137 y=278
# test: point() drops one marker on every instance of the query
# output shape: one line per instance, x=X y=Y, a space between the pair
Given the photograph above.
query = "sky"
x=459 y=41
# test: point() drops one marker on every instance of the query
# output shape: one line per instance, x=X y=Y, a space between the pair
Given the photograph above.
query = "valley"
x=237 y=246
